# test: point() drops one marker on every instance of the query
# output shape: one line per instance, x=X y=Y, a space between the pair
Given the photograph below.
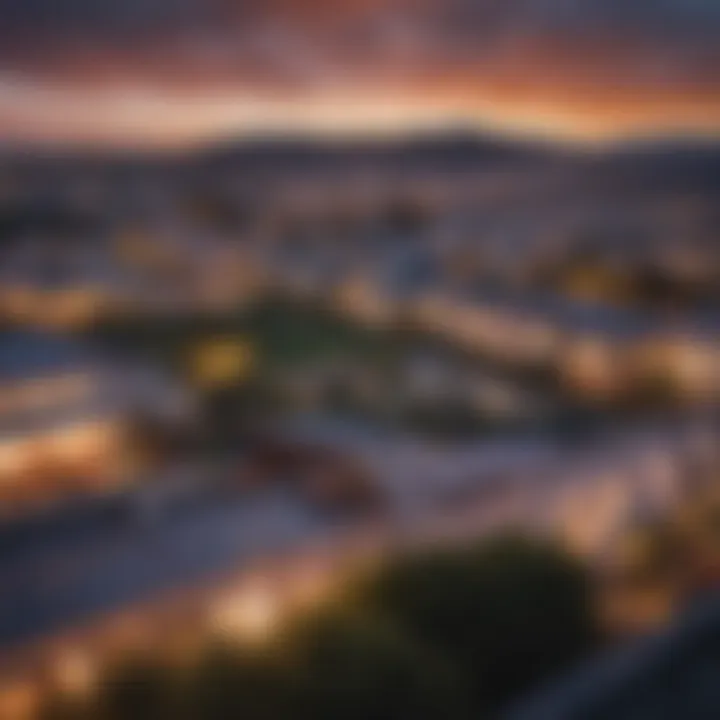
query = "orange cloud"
x=175 y=71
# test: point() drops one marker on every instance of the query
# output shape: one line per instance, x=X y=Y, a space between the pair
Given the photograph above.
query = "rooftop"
x=30 y=354
x=670 y=675
x=100 y=557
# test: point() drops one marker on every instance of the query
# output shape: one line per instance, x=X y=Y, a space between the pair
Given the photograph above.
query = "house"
x=688 y=360
x=599 y=347
x=64 y=413
x=492 y=322
x=596 y=350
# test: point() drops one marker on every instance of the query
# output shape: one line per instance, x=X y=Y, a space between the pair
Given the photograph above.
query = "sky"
x=173 y=72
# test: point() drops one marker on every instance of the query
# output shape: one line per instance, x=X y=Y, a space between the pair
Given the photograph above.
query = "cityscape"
x=375 y=381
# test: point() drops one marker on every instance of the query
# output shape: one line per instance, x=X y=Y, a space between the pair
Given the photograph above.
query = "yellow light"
x=80 y=441
x=14 y=457
x=18 y=701
x=221 y=362
x=75 y=673
x=250 y=615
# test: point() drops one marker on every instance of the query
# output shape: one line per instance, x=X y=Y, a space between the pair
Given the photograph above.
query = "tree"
x=447 y=634
x=234 y=682
x=358 y=665
x=139 y=689
x=506 y=613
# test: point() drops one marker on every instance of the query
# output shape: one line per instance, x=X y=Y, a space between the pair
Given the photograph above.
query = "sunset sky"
x=171 y=72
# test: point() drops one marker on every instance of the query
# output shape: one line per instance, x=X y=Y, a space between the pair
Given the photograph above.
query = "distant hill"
x=668 y=166
x=442 y=150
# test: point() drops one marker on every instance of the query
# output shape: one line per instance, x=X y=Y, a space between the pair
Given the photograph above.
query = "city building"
x=64 y=414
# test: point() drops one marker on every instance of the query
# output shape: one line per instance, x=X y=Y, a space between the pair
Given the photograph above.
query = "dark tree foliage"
x=356 y=665
x=506 y=613
x=447 y=634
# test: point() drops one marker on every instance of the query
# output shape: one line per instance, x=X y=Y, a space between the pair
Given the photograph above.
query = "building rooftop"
x=567 y=315
x=32 y=354
x=102 y=556
x=671 y=675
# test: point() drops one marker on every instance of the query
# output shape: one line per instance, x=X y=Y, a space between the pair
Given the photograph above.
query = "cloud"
x=623 y=58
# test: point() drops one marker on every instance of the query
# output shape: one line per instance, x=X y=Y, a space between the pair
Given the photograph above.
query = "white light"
x=252 y=614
